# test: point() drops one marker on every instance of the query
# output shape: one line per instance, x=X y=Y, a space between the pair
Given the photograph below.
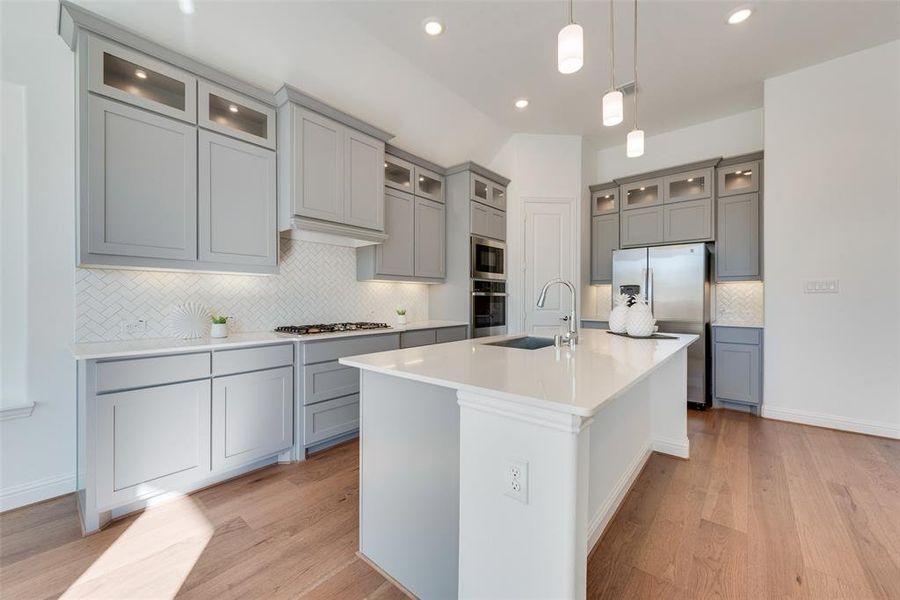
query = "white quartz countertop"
x=575 y=381
x=144 y=347
x=750 y=324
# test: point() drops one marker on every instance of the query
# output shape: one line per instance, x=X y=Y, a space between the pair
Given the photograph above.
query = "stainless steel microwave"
x=488 y=259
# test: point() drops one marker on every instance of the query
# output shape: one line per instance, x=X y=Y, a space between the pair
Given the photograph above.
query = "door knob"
x=565 y=318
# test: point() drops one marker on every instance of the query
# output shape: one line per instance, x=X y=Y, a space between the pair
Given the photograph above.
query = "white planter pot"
x=401 y=319
x=219 y=330
x=640 y=321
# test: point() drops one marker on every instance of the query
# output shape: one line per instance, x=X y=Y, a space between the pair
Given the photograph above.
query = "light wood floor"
x=762 y=510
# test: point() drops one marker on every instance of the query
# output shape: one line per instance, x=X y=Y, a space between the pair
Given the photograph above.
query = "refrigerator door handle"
x=650 y=288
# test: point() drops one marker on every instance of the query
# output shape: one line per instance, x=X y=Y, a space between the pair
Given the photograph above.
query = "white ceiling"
x=450 y=98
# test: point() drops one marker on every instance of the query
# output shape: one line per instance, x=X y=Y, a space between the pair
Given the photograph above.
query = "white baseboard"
x=832 y=421
x=605 y=513
x=679 y=448
x=36 y=491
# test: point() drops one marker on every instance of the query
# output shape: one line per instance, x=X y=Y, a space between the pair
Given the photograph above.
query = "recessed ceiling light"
x=140 y=74
x=521 y=103
x=233 y=108
x=739 y=15
x=433 y=27
x=186 y=6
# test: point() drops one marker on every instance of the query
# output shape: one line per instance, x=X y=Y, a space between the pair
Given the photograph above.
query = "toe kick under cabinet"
x=155 y=425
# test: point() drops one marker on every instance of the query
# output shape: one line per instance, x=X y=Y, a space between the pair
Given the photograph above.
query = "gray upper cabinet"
x=737 y=238
x=225 y=111
x=691 y=185
x=480 y=189
x=430 y=243
x=498 y=196
x=479 y=219
x=496 y=224
x=398 y=173
x=318 y=168
x=139 y=185
x=364 y=180
x=605 y=202
x=642 y=226
x=429 y=184
x=130 y=76
x=396 y=255
x=237 y=210
x=641 y=194
x=688 y=221
x=740 y=178
x=604 y=239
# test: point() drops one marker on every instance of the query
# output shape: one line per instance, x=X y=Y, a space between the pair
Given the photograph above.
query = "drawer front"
x=739 y=335
x=331 y=418
x=324 y=381
x=451 y=334
x=226 y=362
x=155 y=370
x=151 y=441
x=411 y=339
x=316 y=352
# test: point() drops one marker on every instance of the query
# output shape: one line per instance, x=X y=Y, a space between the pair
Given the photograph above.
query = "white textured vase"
x=401 y=320
x=618 y=317
x=218 y=330
x=640 y=320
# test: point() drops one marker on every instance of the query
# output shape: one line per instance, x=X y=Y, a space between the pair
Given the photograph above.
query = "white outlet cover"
x=515 y=479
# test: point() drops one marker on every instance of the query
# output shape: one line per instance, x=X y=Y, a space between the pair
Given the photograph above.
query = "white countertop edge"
x=562 y=407
x=748 y=325
x=156 y=346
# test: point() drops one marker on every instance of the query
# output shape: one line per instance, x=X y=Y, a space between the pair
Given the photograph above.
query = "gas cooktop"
x=329 y=328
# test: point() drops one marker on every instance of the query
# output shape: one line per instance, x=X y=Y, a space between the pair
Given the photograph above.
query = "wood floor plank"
x=719 y=563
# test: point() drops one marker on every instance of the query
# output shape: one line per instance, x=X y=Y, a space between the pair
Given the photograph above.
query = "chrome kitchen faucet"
x=571 y=338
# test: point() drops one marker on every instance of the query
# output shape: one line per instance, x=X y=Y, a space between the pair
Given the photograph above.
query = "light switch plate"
x=821 y=286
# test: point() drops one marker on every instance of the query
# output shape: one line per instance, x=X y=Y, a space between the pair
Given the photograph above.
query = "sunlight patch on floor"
x=152 y=558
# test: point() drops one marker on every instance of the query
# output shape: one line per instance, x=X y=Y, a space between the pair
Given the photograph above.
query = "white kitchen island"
x=445 y=428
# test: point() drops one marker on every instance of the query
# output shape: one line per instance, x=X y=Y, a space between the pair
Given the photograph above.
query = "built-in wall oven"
x=488 y=308
x=488 y=259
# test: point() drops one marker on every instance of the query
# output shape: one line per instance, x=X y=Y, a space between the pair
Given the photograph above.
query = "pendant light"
x=570 y=46
x=634 y=144
x=613 y=100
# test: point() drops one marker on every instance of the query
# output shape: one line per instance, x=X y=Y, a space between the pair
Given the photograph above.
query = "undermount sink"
x=524 y=343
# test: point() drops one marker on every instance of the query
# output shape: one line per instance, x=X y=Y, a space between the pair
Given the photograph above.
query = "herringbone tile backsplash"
x=316 y=284
x=739 y=301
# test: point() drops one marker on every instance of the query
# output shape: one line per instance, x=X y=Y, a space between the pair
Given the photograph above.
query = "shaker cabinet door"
x=396 y=256
x=604 y=239
x=363 y=181
x=642 y=226
x=236 y=201
x=139 y=184
x=688 y=221
x=738 y=373
x=497 y=224
x=430 y=239
x=252 y=416
x=737 y=237
x=479 y=219
x=318 y=169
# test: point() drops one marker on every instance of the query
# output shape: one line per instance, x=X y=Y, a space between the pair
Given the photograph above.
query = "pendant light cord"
x=571 y=20
x=635 y=62
x=612 y=48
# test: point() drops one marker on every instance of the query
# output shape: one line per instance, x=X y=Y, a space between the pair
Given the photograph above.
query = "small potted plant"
x=401 y=316
x=219 y=326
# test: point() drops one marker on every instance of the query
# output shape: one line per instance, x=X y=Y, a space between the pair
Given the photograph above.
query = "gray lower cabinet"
x=688 y=221
x=430 y=239
x=451 y=334
x=237 y=206
x=642 y=226
x=737 y=238
x=138 y=185
x=420 y=337
x=252 y=416
x=604 y=239
x=330 y=419
x=737 y=365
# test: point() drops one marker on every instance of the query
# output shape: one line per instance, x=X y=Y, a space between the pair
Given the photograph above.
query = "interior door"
x=549 y=253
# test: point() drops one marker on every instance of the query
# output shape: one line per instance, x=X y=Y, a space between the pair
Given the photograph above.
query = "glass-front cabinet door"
x=739 y=179
x=429 y=184
x=129 y=76
x=498 y=196
x=641 y=194
x=692 y=185
x=235 y=115
x=480 y=191
x=398 y=173
x=604 y=202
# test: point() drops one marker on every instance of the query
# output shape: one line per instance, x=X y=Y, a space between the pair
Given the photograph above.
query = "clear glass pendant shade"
x=570 y=49
x=613 y=108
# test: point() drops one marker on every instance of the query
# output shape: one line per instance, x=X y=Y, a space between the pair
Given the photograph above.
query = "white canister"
x=618 y=316
x=219 y=330
x=640 y=320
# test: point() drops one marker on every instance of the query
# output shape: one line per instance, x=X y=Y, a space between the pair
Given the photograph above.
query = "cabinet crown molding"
x=289 y=93
x=479 y=170
x=416 y=160
x=700 y=164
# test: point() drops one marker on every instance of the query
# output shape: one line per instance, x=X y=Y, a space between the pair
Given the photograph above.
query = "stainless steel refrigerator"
x=675 y=281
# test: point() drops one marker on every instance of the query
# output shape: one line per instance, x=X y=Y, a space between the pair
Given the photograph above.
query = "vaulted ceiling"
x=450 y=98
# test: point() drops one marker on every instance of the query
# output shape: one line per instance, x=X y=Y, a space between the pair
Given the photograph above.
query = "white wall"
x=540 y=166
x=832 y=211
x=37 y=453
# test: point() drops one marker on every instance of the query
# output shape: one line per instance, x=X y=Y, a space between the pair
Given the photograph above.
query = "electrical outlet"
x=821 y=286
x=133 y=327
x=515 y=480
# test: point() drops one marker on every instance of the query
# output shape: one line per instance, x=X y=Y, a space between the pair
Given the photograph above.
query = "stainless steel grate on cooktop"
x=329 y=327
